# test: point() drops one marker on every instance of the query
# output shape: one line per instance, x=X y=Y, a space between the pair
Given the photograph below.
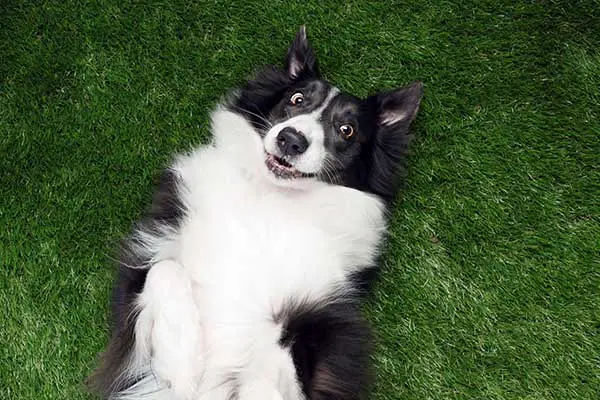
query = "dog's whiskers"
x=266 y=123
x=329 y=171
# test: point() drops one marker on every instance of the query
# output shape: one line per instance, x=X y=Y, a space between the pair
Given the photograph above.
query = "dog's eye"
x=347 y=131
x=297 y=99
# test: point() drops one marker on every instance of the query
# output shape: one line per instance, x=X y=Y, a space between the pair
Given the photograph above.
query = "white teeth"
x=280 y=170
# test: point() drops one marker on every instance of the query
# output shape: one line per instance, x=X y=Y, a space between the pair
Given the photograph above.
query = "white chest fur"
x=252 y=245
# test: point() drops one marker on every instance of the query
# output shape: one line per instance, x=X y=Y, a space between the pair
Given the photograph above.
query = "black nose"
x=291 y=142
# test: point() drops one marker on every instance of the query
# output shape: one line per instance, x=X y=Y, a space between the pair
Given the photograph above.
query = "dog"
x=245 y=279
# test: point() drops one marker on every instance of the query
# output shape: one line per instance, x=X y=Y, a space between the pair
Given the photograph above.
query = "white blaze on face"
x=311 y=161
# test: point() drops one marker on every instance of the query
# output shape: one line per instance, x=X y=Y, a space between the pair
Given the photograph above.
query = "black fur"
x=390 y=146
x=363 y=280
x=301 y=62
x=166 y=211
x=260 y=95
x=330 y=346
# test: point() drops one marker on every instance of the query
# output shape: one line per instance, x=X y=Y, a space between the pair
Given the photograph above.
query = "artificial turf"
x=491 y=277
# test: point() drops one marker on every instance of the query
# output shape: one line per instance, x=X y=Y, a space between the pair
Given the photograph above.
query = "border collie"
x=244 y=280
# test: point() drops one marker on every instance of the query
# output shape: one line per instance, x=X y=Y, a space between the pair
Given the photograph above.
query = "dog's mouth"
x=283 y=169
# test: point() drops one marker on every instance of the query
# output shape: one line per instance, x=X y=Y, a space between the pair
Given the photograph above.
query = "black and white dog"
x=244 y=280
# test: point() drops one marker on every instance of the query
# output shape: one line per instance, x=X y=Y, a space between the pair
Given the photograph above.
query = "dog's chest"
x=243 y=239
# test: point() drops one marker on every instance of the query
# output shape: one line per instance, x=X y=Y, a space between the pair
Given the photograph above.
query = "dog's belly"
x=250 y=252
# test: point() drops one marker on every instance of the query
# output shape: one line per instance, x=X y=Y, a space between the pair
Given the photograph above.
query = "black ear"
x=300 y=61
x=394 y=111
x=399 y=106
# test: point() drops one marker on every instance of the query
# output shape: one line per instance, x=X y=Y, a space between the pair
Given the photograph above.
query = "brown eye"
x=347 y=131
x=297 y=99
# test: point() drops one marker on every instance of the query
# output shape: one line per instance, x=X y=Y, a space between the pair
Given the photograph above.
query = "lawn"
x=491 y=277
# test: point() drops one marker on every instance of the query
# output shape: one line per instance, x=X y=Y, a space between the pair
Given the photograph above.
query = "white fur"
x=246 y=246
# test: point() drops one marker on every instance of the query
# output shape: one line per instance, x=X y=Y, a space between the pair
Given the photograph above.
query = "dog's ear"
x=300 y=61
x=393 y=112
x=399 y=107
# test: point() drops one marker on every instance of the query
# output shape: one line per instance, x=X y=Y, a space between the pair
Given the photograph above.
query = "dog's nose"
x=291 y=142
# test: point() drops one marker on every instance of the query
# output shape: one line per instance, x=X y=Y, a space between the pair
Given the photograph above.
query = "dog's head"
x=313 y=132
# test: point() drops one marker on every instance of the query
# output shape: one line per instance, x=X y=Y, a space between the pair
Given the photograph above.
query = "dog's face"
x=311 y=131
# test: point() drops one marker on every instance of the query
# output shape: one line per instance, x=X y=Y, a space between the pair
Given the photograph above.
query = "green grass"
x=491 y=282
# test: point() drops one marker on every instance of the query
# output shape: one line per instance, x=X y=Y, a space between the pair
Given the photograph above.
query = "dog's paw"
x=176 y=336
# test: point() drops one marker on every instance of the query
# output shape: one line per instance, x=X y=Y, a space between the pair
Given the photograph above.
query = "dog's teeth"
x=283 y=169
